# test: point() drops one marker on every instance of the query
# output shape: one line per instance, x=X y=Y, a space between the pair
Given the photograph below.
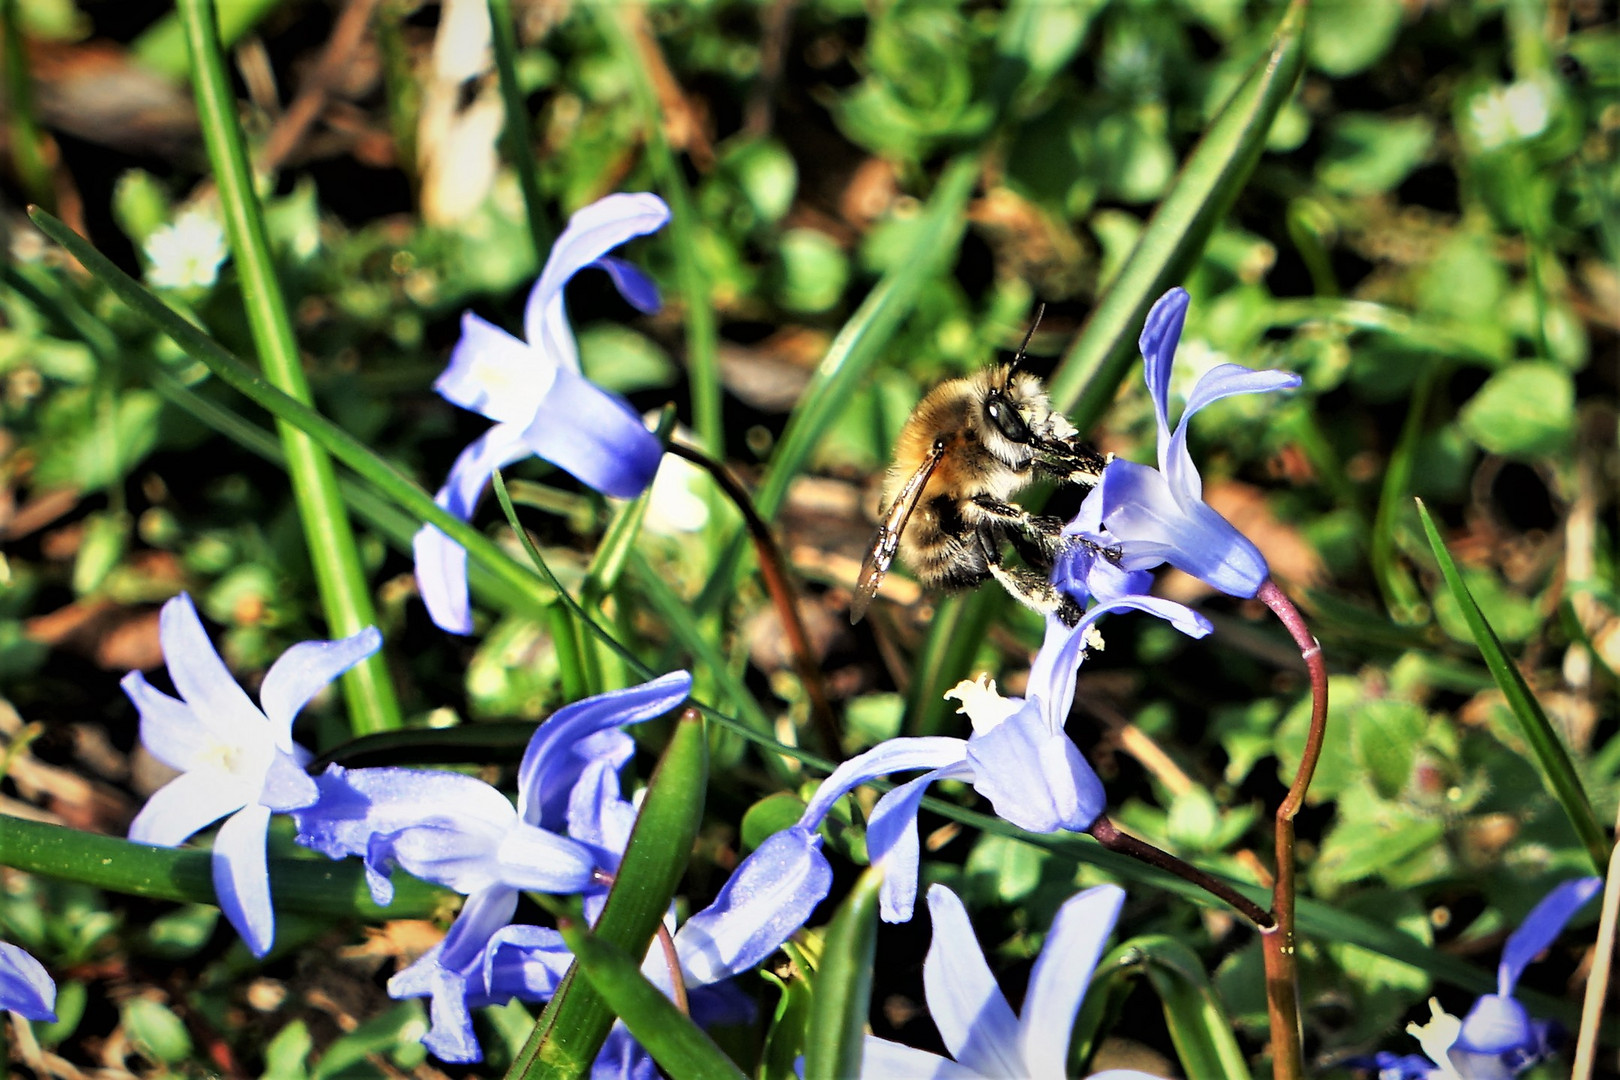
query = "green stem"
x=27 y=141
x=515 y=134
x=339 y=575
x=311 y=886
x=621 y=24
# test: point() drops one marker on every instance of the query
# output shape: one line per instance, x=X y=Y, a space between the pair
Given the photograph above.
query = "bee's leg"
x=1032 y=590
x=1037 y=538
x=1070 y=461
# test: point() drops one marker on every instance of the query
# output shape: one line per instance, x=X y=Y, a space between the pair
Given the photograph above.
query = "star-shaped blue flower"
x=1018 y=757
x=234 y=757
x=985 y=1038
x=540 y=402
x=1144 y=516
x=565 y=835
x=25 y=986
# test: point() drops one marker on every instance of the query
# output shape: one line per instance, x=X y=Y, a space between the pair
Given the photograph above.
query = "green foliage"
x=868 y=200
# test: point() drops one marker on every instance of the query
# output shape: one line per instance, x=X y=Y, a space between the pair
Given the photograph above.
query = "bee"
x=967 y=448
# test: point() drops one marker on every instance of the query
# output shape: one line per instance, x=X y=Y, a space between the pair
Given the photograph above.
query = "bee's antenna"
x=1020 y=355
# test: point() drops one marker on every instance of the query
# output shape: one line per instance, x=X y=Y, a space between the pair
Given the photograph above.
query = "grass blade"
x=515 y=135
x=1084 y=383
x=569 y=1033
x=679 y=1046
x=1556 y=768
x=842 y=995
x=339 y=575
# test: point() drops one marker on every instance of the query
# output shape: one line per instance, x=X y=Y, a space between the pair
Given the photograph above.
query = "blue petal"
x=766 y=899
x=170 y=731
x=493 y=373
x=594 y=435
x=974 y=1019
x=893 y=755
x=287 y=786
x=1544 y=923
x=585 y=731
x=1062 y=972
x=541 y=861
x=599 y=816
x=1495 y=1025
x=304 y=670
x=622 y=1058
x=633 y=285
x=1161 y=333
x=1220 y=381
x=592 y=232
x=891 y=838
x=440 y=826
x=200 y=675
x=451 y=974
x=522 y=961
x=1035 y=779
x=885 y=1060
x=189 y=802
x=242 y=877
x=441 y=563
x=1152 y=527
x=26 y=987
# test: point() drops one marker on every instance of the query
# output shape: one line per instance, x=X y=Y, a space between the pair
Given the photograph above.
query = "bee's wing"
x=887 y=538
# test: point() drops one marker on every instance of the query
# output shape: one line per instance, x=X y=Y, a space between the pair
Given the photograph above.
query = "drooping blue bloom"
x=565 y=835
x=1498 y=1039
x=539 y=400
x=975 y=1021
x=25 y=986
x=1018 y=757
x=234 y=758
x=1153 y=516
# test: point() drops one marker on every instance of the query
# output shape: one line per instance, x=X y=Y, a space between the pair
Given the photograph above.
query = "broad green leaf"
x=1525 y=410
x=843 y=985
x=1347 y=37
x=1369 y=153
x=157 y=1033
x=1556 y=769
x=569 y=1033
x=1386 y=735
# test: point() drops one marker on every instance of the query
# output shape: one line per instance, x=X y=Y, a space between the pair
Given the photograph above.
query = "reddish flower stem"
x=676 y=979
x=1109 y=836
x=1278 y=945
x=773 y=569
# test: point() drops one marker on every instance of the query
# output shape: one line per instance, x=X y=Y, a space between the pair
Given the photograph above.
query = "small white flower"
x=1505 y=114
x=982 y=704
x=186 y=253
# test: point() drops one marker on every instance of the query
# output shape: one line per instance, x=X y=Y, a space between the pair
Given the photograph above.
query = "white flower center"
x=981 y=704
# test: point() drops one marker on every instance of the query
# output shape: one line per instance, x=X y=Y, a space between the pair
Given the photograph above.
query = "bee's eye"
x=1007 y=420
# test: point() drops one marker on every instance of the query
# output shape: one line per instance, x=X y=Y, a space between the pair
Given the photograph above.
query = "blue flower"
x=540 y=402
x=1153 y=516
x=1498 y=1037
x=460 y=832
x=979 y=1028
x=25 y=987
x=233 y=757
x=1497 y=1040
x=1018 y=757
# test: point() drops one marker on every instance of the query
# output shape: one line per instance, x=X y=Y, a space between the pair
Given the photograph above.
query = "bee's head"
x=1016 y=407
